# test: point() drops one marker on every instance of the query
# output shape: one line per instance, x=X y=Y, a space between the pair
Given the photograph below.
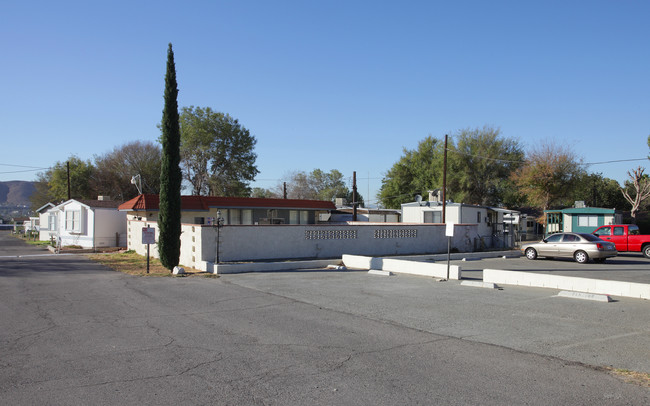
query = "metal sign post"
x=148 y=237
x=449 y=232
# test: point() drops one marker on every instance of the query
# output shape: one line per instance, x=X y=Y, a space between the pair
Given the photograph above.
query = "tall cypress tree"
x=169 y=218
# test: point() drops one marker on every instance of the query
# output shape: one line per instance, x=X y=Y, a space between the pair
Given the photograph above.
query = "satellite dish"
x=418 y=198
x=137 y=181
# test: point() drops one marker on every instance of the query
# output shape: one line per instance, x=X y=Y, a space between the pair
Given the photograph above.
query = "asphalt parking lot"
x=625 y=267
x=78 y=333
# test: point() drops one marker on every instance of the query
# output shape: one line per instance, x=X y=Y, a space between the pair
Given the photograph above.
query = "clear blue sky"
x=326 y=84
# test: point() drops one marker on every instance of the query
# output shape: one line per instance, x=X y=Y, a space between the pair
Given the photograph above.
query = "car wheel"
x=646 y=251
x=531 y=253
x=581 y=257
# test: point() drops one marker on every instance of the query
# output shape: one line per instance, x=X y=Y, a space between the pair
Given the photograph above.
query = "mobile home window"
x=478 y=216
x=235 y=216
x=433 y=217
x=304 y=217
x=51 y=222
x=247 y=217
x=587 y=220
x=73 y=220
x=293 y=217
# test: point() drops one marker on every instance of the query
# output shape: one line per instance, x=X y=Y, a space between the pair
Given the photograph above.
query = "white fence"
x=241 y=243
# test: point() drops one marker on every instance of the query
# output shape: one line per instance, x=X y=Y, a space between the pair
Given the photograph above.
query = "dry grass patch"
x=133 y=264
x=636 y=378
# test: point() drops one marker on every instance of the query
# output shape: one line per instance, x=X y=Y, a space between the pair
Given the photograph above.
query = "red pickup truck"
x=627 y=238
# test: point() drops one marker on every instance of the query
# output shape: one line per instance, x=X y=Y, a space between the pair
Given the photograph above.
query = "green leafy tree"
x=547 y=174
x=317 y=185
x=259 y=192
x=116 y=168
x=479 y=165
x=327 y=185
x=597 y=191
x=169 y=217
x=217 y=153
x=41 y=195
x=52 y=185
x=359 y=199
x=416 y=172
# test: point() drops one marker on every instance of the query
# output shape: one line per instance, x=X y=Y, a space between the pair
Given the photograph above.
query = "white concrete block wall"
x=192 y=245
x=134 y=237
x=240 y=243
x=188 y=248
x=245 y=243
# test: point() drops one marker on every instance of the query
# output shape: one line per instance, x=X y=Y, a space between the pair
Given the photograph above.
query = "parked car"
x=579 y=246
x=627 y=238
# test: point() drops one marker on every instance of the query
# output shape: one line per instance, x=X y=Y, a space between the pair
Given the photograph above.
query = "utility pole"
x=284 y=189
x=354 y=196
x=444 y=184
x=68 y=165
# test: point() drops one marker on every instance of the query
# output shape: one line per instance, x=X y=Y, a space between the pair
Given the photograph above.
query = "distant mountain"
x=16 y=192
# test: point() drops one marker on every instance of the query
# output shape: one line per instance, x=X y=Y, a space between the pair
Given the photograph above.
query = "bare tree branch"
x=641 y=187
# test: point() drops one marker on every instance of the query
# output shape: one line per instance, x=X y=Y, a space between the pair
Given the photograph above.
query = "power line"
x=524 y=160
x=615 y=161
x=24 y=170
x=22 y=166
x=32 y=168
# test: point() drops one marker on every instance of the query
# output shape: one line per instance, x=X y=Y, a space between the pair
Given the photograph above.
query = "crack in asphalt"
x=186 y=371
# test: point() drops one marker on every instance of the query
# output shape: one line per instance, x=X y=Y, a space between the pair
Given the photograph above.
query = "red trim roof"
x=151 y=203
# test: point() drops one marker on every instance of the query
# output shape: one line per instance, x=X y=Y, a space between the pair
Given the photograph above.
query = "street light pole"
x=219 y=225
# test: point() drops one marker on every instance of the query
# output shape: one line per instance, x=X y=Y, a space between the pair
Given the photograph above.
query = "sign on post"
x=510 y=219
x=449 y=231
x=148 y=237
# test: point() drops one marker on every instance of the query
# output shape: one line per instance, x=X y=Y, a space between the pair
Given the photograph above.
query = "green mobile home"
x=579 y=219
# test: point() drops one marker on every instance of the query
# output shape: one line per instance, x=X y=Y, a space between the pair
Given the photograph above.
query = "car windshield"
x=589 y=237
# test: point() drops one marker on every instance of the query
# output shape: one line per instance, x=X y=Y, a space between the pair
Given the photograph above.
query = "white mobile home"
x=90 y=223
x=496 y=227
x=47 y=221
